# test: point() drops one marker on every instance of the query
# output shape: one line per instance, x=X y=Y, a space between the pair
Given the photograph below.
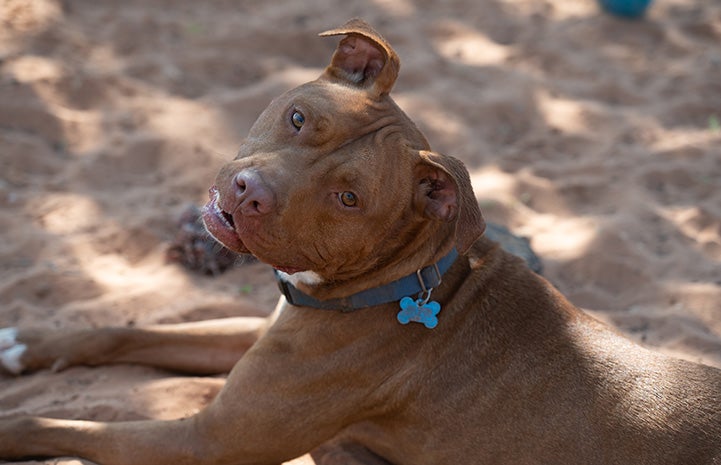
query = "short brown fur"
x=512 y=374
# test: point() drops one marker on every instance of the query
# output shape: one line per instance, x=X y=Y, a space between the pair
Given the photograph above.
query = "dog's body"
x=336 y=189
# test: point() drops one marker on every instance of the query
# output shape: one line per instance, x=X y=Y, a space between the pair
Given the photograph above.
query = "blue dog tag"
x=419 y=311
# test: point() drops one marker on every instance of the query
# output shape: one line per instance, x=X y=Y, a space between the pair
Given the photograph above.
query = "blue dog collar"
x=420 y=284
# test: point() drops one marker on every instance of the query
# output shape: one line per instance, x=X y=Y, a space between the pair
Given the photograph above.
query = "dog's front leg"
x=287 y=395
x=263 y=426
x=205 y=347
x=143 y=442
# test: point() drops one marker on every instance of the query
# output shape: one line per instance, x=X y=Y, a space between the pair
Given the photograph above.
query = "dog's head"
x=336 y=180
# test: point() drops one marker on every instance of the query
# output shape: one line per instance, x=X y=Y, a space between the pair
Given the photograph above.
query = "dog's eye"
x=297 y=119
x=348 y=199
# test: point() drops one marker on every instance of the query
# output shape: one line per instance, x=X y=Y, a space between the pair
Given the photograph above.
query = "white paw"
x=10 y=351
x=8 y=337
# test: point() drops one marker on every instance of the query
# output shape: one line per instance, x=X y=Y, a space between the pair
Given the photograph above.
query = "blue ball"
x=626 y=8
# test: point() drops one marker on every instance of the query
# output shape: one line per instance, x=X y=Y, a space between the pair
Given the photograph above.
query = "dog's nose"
x=254 y=196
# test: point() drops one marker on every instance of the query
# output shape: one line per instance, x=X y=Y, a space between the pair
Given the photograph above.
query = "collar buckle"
x=434 y=280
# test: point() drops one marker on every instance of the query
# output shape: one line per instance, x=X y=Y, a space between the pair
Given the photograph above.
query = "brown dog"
x=336 y=188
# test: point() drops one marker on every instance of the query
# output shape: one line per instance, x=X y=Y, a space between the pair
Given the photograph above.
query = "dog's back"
x=572 y=390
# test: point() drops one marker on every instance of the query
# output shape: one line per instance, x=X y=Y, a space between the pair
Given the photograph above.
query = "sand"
x=597 y=138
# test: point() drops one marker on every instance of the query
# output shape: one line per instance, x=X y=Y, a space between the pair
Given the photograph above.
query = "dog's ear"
x=444 y=193
x=363 y=58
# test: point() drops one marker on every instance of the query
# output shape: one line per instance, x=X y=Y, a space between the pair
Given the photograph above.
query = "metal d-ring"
x=422 y=301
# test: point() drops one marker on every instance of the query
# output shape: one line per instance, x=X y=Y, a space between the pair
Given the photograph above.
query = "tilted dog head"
x=336 y=180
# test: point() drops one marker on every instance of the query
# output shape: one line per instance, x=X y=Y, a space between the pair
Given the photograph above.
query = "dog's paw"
x=11 y=351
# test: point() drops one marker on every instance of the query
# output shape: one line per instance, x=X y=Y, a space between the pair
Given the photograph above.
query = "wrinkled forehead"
x=341 y=123
x=334 y=100
x=322 y=99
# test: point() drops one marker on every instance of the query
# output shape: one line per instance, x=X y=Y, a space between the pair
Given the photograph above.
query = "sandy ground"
x=597 y=138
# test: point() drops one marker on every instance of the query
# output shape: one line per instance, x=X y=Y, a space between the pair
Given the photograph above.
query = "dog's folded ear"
x=363 y=58
x=444 y=193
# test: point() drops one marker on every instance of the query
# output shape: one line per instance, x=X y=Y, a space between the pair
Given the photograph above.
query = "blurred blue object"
x=626 y=8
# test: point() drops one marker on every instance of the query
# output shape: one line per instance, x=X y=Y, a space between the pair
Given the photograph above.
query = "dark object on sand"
x=631 y=9
x=195 y=249
x=516 y=245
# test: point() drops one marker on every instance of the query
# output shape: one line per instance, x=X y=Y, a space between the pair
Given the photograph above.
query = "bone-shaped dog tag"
x=419 y=311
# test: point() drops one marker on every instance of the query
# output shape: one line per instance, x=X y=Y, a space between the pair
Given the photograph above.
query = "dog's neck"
x=417 y=284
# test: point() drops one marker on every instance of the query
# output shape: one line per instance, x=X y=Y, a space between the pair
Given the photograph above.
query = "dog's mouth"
x=220 y=224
